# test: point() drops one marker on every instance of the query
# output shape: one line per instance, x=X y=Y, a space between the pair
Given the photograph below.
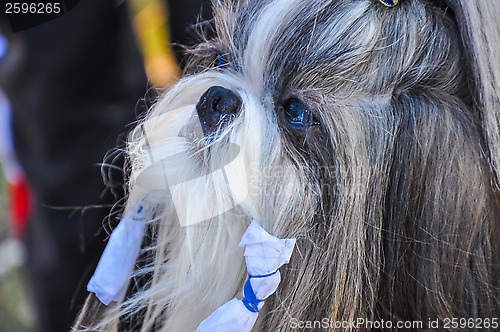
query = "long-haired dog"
x=370 y=133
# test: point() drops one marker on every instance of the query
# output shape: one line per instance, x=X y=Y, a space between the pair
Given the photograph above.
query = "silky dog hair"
x=392 y=192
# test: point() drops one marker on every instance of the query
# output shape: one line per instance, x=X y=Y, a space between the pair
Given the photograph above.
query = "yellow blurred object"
x=150 y=20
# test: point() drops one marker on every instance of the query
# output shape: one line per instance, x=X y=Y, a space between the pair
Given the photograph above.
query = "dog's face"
x=345 y=124
x=303 y=95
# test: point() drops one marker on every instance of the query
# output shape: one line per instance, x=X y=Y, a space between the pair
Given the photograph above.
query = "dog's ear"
x=439 y=229
x=480 y=31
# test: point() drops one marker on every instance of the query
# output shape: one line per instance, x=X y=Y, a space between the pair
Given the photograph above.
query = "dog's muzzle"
x=216 y=108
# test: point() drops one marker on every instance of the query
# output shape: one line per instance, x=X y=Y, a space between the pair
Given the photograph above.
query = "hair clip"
x=389 y=3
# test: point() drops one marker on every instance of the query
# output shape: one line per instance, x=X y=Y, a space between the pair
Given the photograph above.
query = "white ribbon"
x=264 y=255
x=112 y=275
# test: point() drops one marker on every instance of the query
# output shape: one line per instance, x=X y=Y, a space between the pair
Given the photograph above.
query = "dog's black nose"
x=216 y=108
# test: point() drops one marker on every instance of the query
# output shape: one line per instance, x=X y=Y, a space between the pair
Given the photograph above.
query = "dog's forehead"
x=279 y=41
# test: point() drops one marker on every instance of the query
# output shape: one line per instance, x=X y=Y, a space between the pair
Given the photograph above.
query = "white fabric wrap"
x=113 y=272
x=264 y=255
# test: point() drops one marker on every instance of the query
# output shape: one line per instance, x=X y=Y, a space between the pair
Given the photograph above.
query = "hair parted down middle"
x=391 y=189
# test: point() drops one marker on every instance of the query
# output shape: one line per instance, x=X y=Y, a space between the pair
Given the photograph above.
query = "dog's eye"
x=219 y=61
x=298 y=115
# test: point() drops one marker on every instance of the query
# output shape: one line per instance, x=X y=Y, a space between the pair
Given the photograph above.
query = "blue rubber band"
x=250 y=300
x=137 y=216
x=263 y=275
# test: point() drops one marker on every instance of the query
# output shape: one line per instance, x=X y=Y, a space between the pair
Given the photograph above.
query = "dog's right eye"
x=298 y=115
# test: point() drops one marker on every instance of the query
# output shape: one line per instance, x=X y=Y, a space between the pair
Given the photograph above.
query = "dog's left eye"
x=298 y=115
x=219 y=61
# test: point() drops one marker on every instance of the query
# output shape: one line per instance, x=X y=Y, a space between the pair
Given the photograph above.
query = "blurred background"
x=15 y=310
x=56 y=78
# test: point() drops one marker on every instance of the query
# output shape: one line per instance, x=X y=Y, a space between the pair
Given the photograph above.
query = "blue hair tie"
x=249 y=298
